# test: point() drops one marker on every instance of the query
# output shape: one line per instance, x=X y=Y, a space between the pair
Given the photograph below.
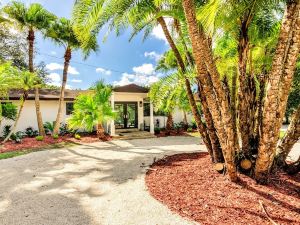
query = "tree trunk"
x=217 y=98
x=185 y=121
x=201 y=127
x=233 y=105
x=39 y=118
x=100 y=131
x=290 y=138
x=68 y=55
x=280 y=79
x=215 y=144
x=23 y=99
x=170 y=124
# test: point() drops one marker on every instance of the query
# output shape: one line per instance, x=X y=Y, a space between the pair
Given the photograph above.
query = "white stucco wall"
x=49 y=112
x=28 y=116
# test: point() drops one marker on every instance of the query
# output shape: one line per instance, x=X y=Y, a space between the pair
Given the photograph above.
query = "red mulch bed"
x=32 y=143
x=171 y=133
x=189 y=185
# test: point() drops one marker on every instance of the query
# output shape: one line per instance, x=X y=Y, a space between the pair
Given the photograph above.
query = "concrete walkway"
x=100 y=183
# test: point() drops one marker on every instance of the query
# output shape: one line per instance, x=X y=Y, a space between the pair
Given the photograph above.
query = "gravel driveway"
x=100 y=183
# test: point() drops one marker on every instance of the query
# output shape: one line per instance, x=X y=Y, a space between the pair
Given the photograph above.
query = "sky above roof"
x=118 y=61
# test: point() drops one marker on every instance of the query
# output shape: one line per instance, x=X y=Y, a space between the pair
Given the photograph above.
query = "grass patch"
x=6 y=155
x=194 y=134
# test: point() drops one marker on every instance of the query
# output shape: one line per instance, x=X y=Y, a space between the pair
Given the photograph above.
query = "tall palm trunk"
x=31 y=38
x=67 y=56
x=100 y=131
x=185 y=121
x=13 y=129
x=170 y=123
x=280 y=79
x=244 y=91
x=214 y=139
x=201 y=127
x=290 y=138
x=217 y=98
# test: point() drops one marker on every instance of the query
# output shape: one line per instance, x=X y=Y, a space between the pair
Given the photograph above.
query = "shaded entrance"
x=127 y=115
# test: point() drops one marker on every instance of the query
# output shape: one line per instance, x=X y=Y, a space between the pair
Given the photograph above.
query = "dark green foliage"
x=17 y=137
x=30 y=132
x=6 y=130
x=294 y=96
x=63 y=130
x=49 y=127
x=9 y=110
x=157 y=130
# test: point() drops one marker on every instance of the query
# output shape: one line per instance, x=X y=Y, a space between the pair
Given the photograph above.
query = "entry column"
x=151 y=119
x=112 y=123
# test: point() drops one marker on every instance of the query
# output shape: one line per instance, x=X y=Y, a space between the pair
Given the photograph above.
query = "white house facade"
x=131 y=103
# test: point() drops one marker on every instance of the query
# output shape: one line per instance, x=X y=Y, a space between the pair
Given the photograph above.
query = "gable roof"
x=46 y=94
x=131 y=88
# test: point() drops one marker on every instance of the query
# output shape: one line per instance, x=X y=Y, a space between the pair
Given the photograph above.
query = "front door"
x=126 y=115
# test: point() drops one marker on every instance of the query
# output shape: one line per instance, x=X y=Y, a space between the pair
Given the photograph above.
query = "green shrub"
x=9 y=110
x=77 y=136
x=156 y=130
x=30 y=132
x=17 y=137
x=49 y=127
x=55 y=136
x=189 y=129
x=39 y=138
x=6 y=130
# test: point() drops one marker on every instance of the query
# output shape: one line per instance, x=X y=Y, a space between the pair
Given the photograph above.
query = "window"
x=69 y=108
x=146 y=109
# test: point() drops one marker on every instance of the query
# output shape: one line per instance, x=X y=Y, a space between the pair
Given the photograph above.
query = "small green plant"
x=6 y=130
x=17 y=137
x=156 y=130
x=77 y=136
x=49 y=127
x=39 y=138
x=30 y=132
x=55 y=136
x=189 y=129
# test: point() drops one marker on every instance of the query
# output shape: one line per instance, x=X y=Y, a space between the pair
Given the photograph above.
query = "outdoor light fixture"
x=141 y=103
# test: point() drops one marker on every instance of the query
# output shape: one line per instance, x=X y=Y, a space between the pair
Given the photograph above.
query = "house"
x=131 y=102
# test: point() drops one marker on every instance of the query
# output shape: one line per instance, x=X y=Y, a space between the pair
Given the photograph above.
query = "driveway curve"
x=98 y=184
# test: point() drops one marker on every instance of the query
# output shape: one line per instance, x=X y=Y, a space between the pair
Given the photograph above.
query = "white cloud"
x=146 y=68
x=76 y=81
x=158 y=33
x=142 y=80
x=153 y=55
x=57 y=66
x=103 y=71
x=55 y=79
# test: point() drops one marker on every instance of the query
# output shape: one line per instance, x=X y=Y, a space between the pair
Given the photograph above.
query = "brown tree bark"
x=214 y=139
x=217 y=98
x=201 y=127
x=100 y=131
x=67 y=56
x=30 y=39
x=290 y=138
x=280 y=79
x=170 y=124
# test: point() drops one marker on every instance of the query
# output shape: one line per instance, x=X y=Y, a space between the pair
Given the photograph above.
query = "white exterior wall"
x=28 y=116
x=49 y=112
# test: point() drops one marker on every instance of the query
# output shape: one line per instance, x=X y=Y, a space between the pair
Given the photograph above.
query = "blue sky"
x=118 y=61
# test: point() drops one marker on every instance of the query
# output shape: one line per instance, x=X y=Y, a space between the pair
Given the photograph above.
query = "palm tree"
x=27 y=81
x=92 y=110
x=62 y=33
x=31 y=18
